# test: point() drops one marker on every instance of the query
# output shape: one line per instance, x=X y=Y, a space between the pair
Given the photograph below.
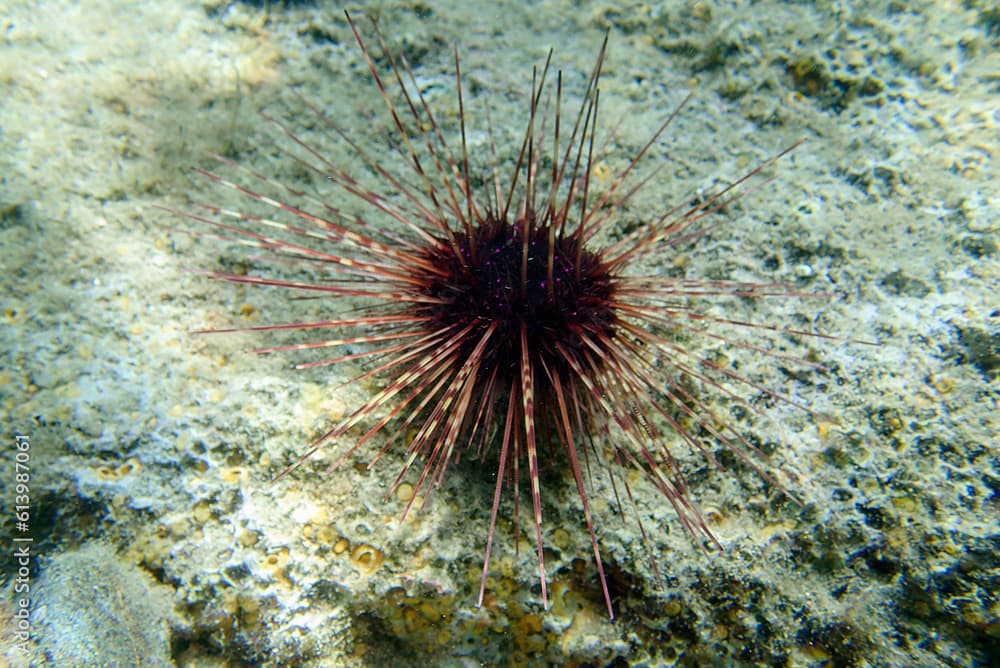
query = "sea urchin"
x=499 y=326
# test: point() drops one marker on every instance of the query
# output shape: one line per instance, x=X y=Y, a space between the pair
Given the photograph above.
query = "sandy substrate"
x=156 y=448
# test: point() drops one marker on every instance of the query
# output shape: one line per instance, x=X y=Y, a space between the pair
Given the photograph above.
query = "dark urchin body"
x=499 y=325
x=556 y=304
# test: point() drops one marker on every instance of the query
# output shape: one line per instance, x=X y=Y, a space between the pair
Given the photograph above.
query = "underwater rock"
x=91 y=609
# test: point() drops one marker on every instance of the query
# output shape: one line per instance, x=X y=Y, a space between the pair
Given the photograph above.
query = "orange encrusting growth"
x=493 y=318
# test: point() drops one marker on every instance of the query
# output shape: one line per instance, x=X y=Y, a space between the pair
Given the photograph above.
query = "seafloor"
x=158 y=536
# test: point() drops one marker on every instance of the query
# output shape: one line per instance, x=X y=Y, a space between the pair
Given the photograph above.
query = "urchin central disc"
x=556 y=289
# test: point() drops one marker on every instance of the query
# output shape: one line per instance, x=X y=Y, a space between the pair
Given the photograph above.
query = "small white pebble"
x=303 y=513
x=804 y=271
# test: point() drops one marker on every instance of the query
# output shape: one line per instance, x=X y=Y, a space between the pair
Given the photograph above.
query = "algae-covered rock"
x=91 y=609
